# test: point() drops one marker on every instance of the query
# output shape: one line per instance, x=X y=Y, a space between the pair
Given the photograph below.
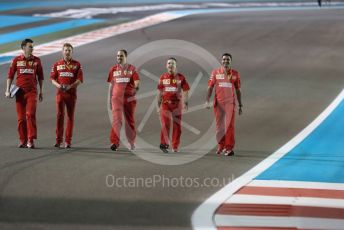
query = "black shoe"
x=22 y=146
x=164 y=148
x=113 y=147
x=229 y=153
x=219 y=151
x=57 y=145
x=68 y=146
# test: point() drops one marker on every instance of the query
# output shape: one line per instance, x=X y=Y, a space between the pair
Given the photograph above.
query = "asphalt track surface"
x=291 y=68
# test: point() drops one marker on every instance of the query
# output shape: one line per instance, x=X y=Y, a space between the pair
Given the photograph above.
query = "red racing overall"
x=26 y=97
x=66 y=73
x=171 y=87
x=123 y=101
x=224 y=105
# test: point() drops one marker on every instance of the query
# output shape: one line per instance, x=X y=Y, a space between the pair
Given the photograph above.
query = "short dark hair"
x=172 y=58
x=124 y=51
x=25 y=41
x=67 y=45
x=227 y=54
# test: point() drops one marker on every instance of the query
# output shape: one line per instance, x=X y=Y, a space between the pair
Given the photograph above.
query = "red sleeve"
x=40 y=73
x=160 y=85
x=13 y=69
x=80 y=75
x=185 y=85
x=237 y=83
x=212 y=79
x=53 y=72
x=135 y=76
x=110 y=76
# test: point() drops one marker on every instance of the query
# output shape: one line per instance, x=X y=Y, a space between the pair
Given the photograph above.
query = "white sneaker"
x=229 y=153
x=219 y=151
x=30 y=145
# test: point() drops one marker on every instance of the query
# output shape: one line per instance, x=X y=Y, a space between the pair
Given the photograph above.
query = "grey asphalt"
x=291 y=68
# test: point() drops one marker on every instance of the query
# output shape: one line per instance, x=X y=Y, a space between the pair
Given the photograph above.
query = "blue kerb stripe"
x=13 y=5
x=11 y=20
x=42 y=30
x=17 y=4
x=5 y=58
x=318 y=158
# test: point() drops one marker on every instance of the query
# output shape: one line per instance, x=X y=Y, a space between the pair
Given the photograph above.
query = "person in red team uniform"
x=27 y=67
x=225 y=80
x=124 y=81
x=66 y=74
x=170 y=103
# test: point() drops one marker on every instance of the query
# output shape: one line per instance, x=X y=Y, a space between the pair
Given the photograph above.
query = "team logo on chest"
x=21 y=63
x=122 y=80
x=119 y=73
x=225 y=84
x=171 y=89
x=127 y=72
x=26 y=71
x=220 y=76
x=61 y=67
x=166 y=81
x=66 y=74
x=121 y=76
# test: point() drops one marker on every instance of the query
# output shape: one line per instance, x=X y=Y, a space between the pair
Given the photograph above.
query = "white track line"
x=283 y=200
x=299 y=222
x=203 y=216
x=97 y=35
x=296 y=184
